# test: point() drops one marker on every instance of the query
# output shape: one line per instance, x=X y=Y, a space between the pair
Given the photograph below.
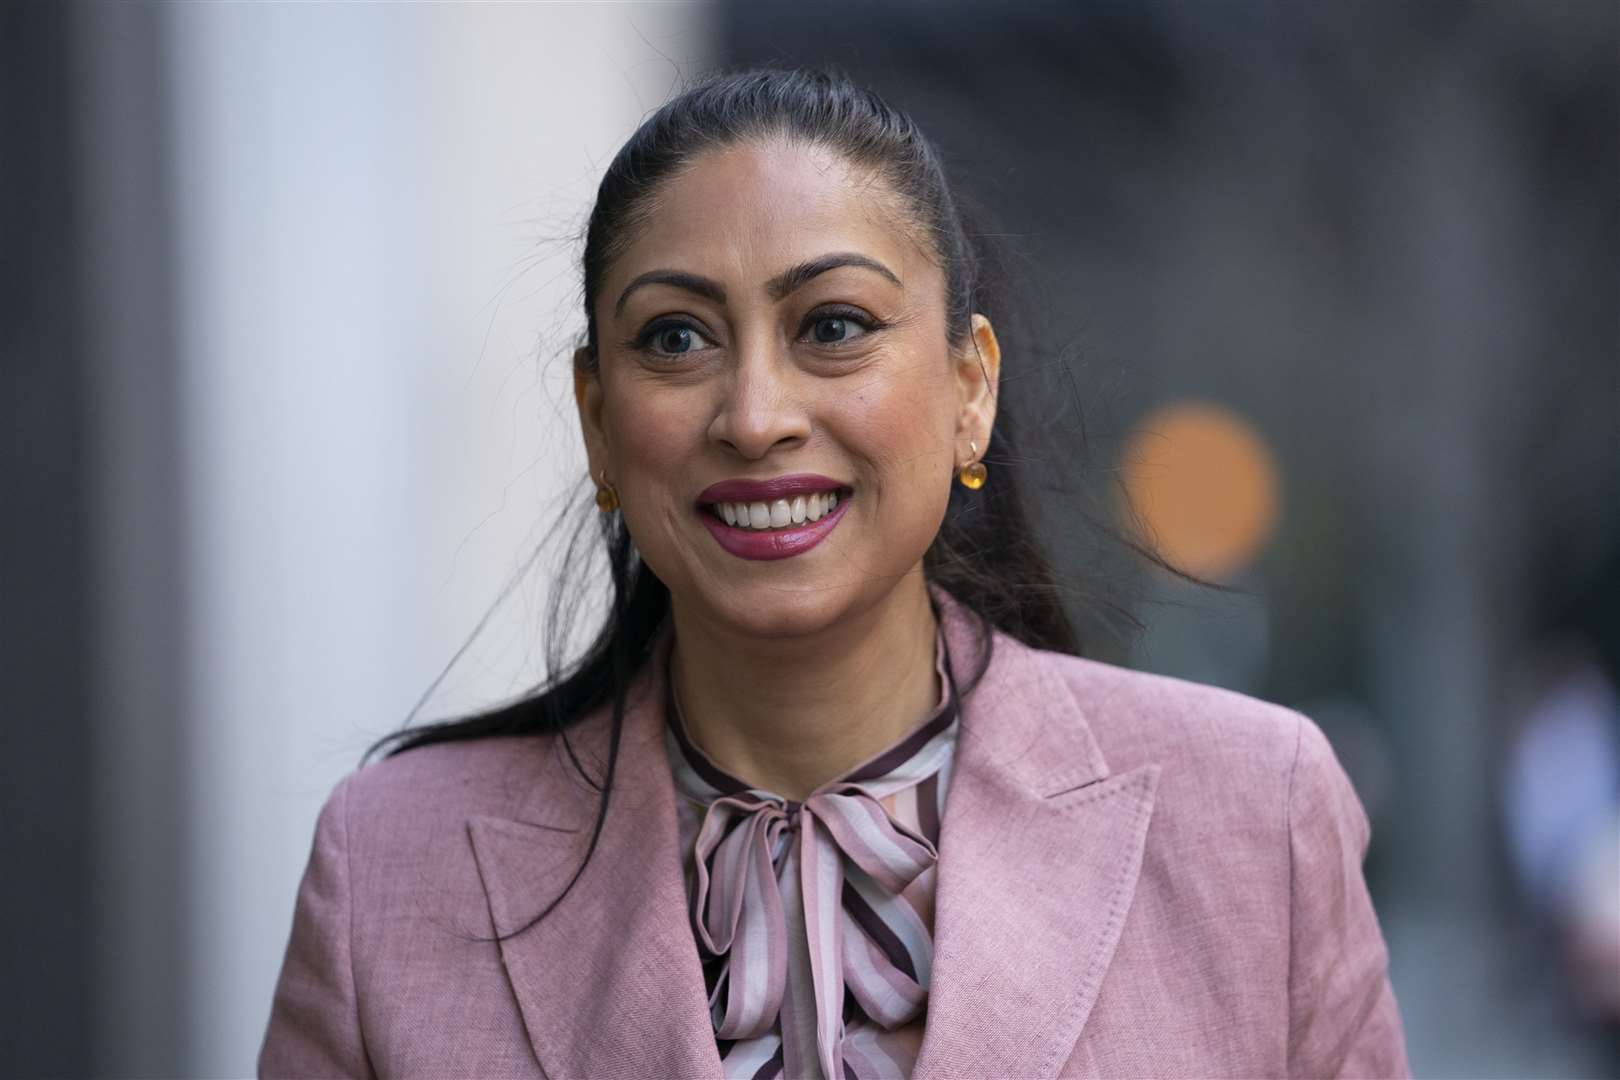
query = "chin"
x=772 y=611
x=781 y=607
x=799 y=597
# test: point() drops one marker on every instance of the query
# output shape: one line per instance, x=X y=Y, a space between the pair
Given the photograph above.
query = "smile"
x=772 y=519
x=777 y=514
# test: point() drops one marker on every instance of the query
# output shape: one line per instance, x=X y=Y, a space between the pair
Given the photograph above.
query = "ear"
x=588 y=398
x=978 y=381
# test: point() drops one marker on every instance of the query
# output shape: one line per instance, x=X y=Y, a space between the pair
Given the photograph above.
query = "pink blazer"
x=1138 y=876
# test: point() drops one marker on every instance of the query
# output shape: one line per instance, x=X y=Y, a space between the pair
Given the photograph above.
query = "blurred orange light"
x=1205 y=484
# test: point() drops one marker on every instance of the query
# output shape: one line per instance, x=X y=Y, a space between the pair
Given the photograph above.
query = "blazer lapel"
x=1040 y=848
x=609 y=983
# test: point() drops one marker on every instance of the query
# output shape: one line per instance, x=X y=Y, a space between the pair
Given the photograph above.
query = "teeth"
x=779 y=513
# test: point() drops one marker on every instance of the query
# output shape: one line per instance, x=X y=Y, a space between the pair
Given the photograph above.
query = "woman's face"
x=775 y=399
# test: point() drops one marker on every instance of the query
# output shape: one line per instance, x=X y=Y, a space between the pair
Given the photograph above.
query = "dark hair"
x=986 y=554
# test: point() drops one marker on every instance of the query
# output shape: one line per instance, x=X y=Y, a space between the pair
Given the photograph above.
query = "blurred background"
x=1330 y=288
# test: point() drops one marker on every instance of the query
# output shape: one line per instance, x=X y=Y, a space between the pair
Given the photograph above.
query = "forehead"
x=743 y=213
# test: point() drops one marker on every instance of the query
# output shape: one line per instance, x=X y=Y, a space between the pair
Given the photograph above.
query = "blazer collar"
x=1040 y=850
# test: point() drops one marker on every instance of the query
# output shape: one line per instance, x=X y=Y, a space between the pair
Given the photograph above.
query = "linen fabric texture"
x=1136 y=876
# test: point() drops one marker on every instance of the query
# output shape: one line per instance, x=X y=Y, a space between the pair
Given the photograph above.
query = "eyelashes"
x=840 y=314
x=669 y=337
x=827 y=328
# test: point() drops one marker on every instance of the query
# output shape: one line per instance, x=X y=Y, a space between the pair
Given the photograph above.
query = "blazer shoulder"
x=448 y=782
x=1140 y=718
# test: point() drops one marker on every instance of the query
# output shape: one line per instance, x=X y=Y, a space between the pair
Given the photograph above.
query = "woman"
x=830 y=796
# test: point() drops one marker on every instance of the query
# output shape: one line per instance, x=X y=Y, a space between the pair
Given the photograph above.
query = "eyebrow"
x=790 y=279
x=778 y=287
x=680 y=279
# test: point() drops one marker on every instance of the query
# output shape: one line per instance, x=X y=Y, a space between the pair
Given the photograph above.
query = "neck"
x=788 y=715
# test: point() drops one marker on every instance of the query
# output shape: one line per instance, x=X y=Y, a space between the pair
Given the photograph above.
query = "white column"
x=376 y=412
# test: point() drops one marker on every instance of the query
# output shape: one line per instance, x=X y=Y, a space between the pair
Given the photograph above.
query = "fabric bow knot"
x=850 y=861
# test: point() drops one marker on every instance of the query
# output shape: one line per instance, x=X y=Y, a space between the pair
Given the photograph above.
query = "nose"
x=762 y=408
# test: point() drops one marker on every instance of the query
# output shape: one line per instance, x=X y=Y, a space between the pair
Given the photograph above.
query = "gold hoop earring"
x=607 y=499
x=972 y=475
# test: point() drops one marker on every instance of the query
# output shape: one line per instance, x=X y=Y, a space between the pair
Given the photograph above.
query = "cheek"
x=646 y=434
x=903 y=429
x=652 y=442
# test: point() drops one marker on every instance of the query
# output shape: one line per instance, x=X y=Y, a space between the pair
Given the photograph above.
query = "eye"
x=829 y=329
x=838 y=327
x=672 y=339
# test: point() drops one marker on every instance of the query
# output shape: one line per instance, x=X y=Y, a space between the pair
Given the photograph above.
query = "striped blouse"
x=814 y=920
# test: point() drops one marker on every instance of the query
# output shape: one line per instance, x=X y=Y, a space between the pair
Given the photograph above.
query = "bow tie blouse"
x=814 y=919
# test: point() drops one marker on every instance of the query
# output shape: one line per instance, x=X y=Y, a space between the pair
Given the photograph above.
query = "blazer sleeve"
x=314 y=1020
x=1342 y=1021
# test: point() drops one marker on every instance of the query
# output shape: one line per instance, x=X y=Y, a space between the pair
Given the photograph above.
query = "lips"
x=781 y=487
x=793 y=514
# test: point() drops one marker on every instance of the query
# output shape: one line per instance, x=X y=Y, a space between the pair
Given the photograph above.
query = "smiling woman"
x=832 y=794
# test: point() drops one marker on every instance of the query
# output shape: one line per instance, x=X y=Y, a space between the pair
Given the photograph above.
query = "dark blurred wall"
x=45 y=634
x=142 y=978
x=1386 y=235
x=91 y=784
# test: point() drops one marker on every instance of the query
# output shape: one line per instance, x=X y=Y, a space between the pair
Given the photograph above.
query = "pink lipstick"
x=772 y=519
